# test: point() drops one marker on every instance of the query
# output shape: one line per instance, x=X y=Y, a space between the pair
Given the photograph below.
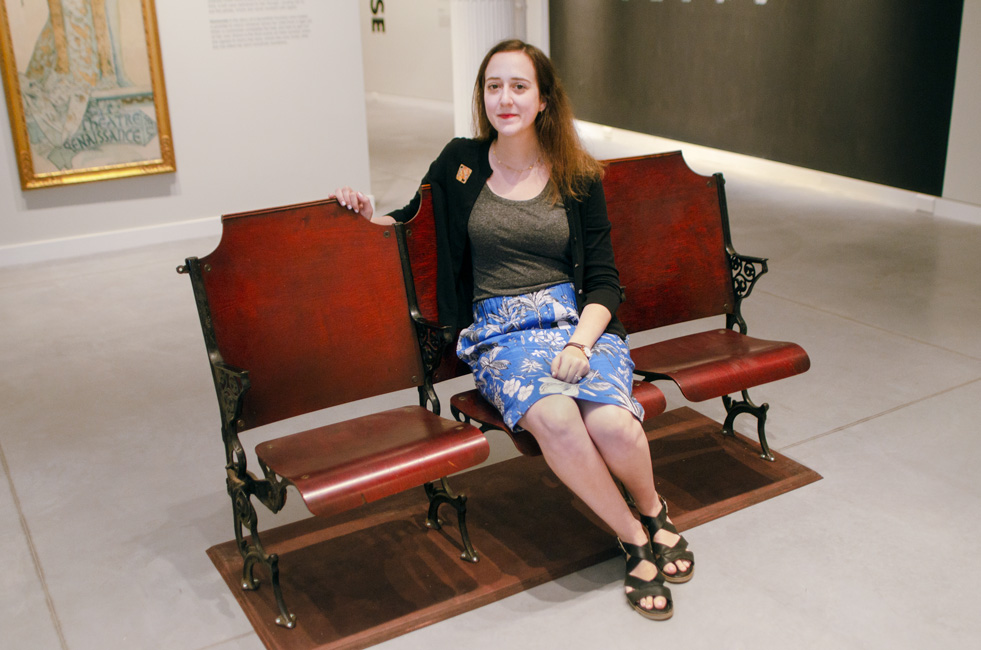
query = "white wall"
x=253 y=127
x=411 y=57
x=961 y=181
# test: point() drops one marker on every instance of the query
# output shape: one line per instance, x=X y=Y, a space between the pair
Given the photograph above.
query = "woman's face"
x=511 y=98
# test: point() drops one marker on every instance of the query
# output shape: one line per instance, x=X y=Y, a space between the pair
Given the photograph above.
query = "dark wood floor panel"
x=377 y=572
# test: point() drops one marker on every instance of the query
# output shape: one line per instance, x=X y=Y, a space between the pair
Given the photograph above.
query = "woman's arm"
x=601 y=281
x=571 y=364
x=601 y=285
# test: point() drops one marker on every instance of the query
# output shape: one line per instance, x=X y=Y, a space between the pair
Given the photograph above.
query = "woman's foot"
x=644 y=583
x=670 y=549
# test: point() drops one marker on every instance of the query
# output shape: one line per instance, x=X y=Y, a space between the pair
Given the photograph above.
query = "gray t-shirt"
x=518 y=246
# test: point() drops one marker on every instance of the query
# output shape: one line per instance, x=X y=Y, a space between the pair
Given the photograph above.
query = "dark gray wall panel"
x=861 y=88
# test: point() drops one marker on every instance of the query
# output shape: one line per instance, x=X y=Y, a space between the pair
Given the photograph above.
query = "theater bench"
x=302 y=308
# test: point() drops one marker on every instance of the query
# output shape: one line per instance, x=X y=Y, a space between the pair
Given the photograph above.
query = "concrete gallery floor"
x=113 y=486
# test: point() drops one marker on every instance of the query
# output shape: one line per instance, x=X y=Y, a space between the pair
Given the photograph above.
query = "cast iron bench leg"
x=253 y=553
x=438 y=495
x=746 y=405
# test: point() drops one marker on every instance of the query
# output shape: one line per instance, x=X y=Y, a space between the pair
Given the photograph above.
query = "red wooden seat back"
x=291 y=324
x=685 y=274
x=420 y=240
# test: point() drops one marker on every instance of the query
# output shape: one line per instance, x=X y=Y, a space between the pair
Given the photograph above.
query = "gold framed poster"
x=85 y=90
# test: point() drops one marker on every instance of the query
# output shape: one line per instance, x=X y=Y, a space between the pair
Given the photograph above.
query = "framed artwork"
x=85 y=90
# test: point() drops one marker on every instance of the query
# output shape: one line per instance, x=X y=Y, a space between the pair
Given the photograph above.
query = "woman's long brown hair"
x=572 y=169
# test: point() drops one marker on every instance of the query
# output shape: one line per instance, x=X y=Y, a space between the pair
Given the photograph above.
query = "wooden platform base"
x=375 y=573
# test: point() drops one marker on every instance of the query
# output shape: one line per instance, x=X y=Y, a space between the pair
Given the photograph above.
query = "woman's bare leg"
x=622 y=444
x=558 y=426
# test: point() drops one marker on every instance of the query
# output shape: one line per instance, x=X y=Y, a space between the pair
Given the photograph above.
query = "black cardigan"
x=456 y=178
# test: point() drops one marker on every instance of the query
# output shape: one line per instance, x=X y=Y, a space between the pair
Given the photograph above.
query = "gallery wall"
x=256 y=123
x=863 y=90
x=406 y=48
x=964 y=146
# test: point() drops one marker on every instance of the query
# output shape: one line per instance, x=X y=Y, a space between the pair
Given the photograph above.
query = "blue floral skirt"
x=511 y=345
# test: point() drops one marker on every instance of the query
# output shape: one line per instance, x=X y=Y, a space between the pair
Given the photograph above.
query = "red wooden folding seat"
x=303 y=308
x=677 y=264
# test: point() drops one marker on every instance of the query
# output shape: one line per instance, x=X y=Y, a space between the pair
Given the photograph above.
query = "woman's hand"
x=570 y=365
x=353 y=200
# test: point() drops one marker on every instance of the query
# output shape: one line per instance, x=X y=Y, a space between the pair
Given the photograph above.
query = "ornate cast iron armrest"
x=744 y=277
x=433 y=340
x=231 y=383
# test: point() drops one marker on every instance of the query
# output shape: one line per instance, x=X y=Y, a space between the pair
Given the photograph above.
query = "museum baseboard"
x=106 y=242
x=706 y=160
x=958 y=211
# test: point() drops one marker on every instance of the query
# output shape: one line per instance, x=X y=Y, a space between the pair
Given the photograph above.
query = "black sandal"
x=665 y=554
x=641 y=589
